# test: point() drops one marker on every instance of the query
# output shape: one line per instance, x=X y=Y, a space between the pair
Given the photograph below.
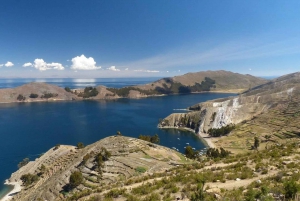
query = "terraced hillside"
x=271 y=109
x=129 y=157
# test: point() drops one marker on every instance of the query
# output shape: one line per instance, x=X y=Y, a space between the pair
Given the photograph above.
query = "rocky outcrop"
x=234 y=110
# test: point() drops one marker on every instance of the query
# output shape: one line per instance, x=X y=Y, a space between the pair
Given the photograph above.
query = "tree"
x=68 y=89
x=33 y=95
x=21 y=97
x=256 y=142
x=155 y=139
x=28 y=179
x=76 y=179
x=189 y=152
x=80 y=145
x=119 y=133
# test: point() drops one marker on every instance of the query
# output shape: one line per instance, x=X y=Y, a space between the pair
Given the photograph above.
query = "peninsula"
x=208 y=81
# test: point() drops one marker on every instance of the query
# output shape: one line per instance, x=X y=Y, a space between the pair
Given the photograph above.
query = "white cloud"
x=41 y=65
x=1 y=65
x=28 y=64
x=84 y=63
x=147 y=71
x=126 y=68
x=8 y=64
x=113 y=68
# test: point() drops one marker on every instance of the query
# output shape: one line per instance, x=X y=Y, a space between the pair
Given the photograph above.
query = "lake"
x=30 y=129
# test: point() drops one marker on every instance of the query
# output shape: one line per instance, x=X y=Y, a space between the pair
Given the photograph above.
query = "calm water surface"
x=30 y=129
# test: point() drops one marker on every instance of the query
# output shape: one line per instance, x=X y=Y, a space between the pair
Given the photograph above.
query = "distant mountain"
x=221 y=81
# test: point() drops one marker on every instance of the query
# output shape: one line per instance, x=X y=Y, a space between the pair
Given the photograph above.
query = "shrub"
x=21 y=97
x=75 y=180
x=140 y=169
x=33 y=95
x=68 y=89
x=80 y=145
x=29 y=179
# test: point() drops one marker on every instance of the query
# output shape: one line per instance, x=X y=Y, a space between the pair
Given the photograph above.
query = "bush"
x=49 y=95
x=80 y=145
x=140 y=169
x=68 y=89
x=21 y=97
x=29 y=179
x=154 y=139
x=33 y=95
x=75 y=180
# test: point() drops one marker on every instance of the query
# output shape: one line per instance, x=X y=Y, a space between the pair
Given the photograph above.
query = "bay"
x=30 y=129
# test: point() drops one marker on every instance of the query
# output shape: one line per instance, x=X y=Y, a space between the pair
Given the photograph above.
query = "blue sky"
x=147 y=38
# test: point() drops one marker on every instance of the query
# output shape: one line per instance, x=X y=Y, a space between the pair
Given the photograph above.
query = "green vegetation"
x=217 y=132
x=256 y=143
x=68 y=89
x=154 y=139
x=88 y=92
x=176 y=87
x=215 y=153
x=49 y=95
x=190 y=153
x=21 y=97
x=29 y=179
x=32 y=95
x=23 y=162
x=80 y=145
x=124 y=92
x=75 y=180
x=140 y=169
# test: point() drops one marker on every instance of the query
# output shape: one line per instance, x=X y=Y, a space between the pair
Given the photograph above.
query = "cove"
x=29 y=129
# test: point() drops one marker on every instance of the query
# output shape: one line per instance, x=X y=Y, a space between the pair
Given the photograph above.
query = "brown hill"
x=129 y=158
x=225 y=81
x=269 y=109
x=39 y=89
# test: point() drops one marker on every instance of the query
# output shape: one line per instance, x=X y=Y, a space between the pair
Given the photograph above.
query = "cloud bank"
x=84 y=63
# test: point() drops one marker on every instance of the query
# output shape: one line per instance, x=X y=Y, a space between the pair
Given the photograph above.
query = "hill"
x=221 y=81
x=271 y=109
x=216 y=81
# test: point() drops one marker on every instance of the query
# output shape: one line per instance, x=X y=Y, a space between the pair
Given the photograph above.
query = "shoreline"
x=17 y=188
x=205 y=138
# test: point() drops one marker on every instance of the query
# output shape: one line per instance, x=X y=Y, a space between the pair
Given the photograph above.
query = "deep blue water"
x=29 y=129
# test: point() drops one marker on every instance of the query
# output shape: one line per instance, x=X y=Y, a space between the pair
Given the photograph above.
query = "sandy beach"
x=17 y=188
x=208 y=140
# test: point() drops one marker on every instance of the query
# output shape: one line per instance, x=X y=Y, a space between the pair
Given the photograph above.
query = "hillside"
x=219 y=81
x=141 y=171
x=129 y=158
x=41 y=91
x=271 y=109
x=224 y=81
